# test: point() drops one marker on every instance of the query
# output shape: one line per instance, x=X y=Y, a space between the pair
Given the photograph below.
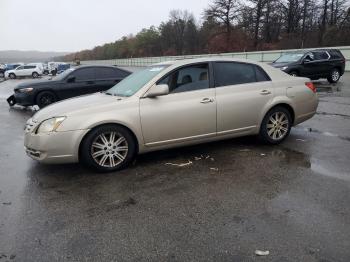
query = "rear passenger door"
x=322 y=60
x=242 y=91
x=106 y=77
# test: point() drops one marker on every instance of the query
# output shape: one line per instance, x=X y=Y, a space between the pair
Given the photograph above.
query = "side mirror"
x=158 y=90
x=71 y=79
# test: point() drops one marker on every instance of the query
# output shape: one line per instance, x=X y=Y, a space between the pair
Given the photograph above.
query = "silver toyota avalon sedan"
x=168 y=105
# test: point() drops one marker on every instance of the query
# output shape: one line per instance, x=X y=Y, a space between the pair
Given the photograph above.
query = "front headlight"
x=284 y=68
x=25 y=90
x=50 y=125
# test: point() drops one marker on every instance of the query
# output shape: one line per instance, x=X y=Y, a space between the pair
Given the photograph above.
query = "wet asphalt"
x=234 y=197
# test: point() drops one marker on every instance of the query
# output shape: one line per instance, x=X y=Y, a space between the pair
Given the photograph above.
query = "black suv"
x=314 y=64
x=72 y=82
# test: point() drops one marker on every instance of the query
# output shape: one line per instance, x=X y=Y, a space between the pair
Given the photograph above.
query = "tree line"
x=233 y=25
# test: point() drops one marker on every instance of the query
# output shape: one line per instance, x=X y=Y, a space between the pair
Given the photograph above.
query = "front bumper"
x=24 y=99
x=55 y=147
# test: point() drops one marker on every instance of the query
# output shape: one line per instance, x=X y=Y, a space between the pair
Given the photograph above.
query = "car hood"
x=78 y=105
x=280 y=65
x=36 y=83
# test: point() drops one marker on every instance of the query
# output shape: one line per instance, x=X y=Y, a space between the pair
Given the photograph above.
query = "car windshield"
x=289 y=57
x=134 y=82
x=63 y=74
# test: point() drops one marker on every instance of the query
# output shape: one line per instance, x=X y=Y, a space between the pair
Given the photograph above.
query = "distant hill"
x=11 y=56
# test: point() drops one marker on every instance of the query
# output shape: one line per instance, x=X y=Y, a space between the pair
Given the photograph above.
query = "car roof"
x=101 y=66
x=274 y=73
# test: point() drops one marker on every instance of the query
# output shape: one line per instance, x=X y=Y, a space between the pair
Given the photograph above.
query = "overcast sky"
x=72 y=25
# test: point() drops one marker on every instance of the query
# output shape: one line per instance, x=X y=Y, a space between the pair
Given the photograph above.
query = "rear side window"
x=320 y=55
x=233 y=73
x=84 y=74
x=29 y=67
x=105 y=73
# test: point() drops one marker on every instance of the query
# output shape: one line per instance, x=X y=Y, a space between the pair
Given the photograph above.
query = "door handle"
x=265 y=92
x=207 y=100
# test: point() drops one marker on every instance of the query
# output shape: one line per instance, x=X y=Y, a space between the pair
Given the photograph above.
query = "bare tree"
x=225 y=12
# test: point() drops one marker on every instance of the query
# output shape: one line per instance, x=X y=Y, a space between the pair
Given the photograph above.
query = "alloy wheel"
x=278 y=126
x=109 y=149
x=335 y=75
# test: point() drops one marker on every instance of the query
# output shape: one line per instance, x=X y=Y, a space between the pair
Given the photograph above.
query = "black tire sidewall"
x=12 y=76
x=295 y=73
x=263 y=135
x=40 y=95
x=35 y=75
x=85 y=149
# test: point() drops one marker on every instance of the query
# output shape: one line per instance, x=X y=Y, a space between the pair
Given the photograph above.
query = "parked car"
x=169 y=105
x=23 y=71
x=315 y=64
x=72 y=82
x=7 y=67
x=55 y=68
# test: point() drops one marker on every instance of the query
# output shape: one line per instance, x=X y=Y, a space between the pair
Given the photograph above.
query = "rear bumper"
x=55 y=147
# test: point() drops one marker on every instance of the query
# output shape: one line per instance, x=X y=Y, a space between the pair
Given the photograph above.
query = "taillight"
x=311 y=86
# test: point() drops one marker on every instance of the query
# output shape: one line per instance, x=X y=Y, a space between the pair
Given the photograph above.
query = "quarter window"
x=190 y=78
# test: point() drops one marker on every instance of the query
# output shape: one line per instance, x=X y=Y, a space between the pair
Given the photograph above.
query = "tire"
x=272 y=132
x=12 y=76
x=294 y=73
x=35 y=75
x=334 y=76
x=2 y=75
x=99 y=149
x=45 y=98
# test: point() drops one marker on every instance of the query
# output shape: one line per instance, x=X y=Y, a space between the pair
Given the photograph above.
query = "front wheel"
x=12 y=76
x=276 y=126
x=294 y=73
x=108 y=148
x=35 y=75
x=45 y=98
x=334 y=76
x=2 y=75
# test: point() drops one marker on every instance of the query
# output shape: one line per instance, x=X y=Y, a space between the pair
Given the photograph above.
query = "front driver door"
x=80 y=82
x=187 y=113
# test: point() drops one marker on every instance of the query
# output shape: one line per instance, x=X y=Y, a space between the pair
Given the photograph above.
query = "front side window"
x=20 y=68
x=190 y=78
x=232 y=73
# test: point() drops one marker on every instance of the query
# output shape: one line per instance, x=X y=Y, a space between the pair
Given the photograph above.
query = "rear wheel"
x=276 y=126
x=2 y=75
x=45 y=98
x=334 y=76
x=108 y=148
x=12 y=76
x=35 y=75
